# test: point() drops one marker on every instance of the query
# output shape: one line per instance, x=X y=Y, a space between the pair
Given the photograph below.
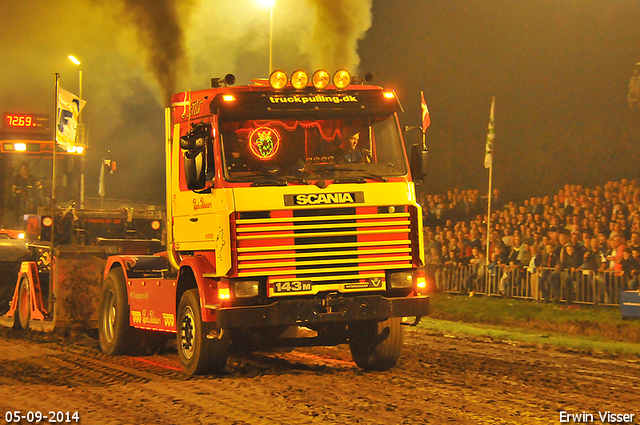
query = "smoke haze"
x=136 y=53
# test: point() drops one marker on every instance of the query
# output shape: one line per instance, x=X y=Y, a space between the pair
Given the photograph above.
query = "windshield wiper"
x=270 y=182
x=361 y=179
x=350 y=180
x=373 y=176
x=363 y=172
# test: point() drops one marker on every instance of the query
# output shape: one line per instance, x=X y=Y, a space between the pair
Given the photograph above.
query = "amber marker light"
x=321 y=79
x=21 y=147
x=155 y=224
x=228 y=97
x=278 y=79
x=47 y=221
x=341 y=78
x=299 y=79
x=389 y=95
x=224 y=293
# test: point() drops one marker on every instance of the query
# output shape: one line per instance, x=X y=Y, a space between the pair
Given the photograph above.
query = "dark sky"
x=559 y=71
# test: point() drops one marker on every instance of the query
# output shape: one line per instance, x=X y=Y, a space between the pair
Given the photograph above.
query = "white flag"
x=488 y=155
x=69 y=107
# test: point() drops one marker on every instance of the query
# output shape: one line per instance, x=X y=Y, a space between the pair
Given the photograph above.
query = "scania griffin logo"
x=324 y=198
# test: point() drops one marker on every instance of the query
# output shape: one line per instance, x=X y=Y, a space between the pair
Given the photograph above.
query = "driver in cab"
x=350 y=152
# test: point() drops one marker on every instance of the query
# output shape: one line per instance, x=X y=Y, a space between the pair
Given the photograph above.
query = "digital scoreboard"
x=25 y=122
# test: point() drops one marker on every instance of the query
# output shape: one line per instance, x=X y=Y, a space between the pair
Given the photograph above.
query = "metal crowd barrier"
x=540 y=283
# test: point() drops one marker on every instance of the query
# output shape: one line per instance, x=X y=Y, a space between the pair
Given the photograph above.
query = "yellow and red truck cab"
x=289 y=203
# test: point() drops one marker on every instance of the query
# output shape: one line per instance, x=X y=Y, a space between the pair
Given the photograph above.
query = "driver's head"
x=350 y=142
x=24 y=170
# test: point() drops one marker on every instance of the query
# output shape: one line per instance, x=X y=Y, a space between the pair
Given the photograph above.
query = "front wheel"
x=114 y=329
x=376 y=345
x=200 y=351
x=23 y=314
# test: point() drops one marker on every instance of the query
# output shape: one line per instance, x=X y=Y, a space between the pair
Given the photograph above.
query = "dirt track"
x=440 y=379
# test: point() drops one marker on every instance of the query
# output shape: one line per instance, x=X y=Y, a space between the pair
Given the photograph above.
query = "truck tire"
x=23 y=312
x=198 y=354
x=114 y=330
x=376 y=346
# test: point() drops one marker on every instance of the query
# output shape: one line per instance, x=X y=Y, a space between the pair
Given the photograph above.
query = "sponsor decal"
x=168 y=319
x=374 y=283
x=103 y=220
x=193 y=109
x=220 y=243
x=200 y=204
x=318 y=98
x=137 y=316
x=150 y=319
x=324 y=198
x=138 y=296
x=264 y=142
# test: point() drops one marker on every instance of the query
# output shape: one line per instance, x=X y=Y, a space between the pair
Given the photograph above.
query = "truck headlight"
x=401 y=279
x=246 y=288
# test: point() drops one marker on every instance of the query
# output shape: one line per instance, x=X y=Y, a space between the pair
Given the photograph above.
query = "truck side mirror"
x=196 y=144
x=418 y=164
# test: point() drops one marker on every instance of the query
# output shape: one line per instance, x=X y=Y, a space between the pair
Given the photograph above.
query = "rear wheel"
x=376 y=345
x=23 y=313
x=200 y=351
x=114 y=330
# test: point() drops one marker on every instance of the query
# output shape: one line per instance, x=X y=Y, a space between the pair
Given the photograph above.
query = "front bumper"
x=325 y=310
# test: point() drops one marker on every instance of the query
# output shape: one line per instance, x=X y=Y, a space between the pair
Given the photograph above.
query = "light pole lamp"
x=80 y=130
x=269 y=4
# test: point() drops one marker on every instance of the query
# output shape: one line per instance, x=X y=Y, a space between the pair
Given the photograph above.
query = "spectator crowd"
x=578 y=241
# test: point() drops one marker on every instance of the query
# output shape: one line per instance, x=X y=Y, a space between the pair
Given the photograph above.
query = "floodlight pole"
x=270 y=40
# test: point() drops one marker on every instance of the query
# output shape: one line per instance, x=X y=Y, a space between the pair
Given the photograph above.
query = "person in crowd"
x=570 y=264
x=433 y=267
x=475 y=280
x=634 y=283
x=630 y=268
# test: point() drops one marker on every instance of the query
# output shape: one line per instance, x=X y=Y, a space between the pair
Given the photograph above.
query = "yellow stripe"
x=317 y=218
x=315 y=262
x=321 y=246
x=323 y=226
x=324 y=234
x=325 y=254
x=331 y=270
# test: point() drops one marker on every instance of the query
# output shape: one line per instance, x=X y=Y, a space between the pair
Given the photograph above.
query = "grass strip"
x=500 y=310
x=580 y=343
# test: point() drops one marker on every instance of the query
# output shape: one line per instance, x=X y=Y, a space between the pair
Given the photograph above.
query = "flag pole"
x=489 y=212
x=488 y=163
x=53 y=172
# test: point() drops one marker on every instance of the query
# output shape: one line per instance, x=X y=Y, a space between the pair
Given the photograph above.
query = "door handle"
x=193 y=219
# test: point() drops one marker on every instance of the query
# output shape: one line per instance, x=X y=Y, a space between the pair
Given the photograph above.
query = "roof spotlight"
x=321 y=79
x=341 y=78
x=278 y=79
x=299 y=79
x=228 y=80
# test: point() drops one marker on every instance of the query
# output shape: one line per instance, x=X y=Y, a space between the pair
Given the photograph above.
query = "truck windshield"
x=297 y=150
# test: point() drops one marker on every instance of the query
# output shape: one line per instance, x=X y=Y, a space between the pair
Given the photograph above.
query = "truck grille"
x=324 y=246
